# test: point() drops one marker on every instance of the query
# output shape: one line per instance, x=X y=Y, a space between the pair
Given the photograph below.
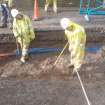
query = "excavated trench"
x=40 y=65
x=42 y=83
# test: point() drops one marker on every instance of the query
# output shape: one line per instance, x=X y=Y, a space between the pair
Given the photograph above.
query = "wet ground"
x=41 y=66
x=40 y=83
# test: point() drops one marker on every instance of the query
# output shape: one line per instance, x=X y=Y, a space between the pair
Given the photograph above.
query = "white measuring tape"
x=84 y=91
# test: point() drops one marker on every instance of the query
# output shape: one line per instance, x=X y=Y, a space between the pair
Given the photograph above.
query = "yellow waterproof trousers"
x=51 y=2
x=77 y=53
x=24 y=48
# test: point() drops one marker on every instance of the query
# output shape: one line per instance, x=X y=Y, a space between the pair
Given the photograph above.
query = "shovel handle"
x=61 y=53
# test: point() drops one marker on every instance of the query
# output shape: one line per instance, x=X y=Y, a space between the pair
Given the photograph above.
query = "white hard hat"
x=14 y=12
x=64 y=23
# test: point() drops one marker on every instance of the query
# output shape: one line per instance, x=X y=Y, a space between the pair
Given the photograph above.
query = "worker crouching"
x=76 y=37
x=51 y=2
x=23 y=32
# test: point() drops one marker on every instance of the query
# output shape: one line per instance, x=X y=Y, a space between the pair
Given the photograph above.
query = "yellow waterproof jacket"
x=23 y=30
x=75 y=34
x=51 y=1
x=77 y=38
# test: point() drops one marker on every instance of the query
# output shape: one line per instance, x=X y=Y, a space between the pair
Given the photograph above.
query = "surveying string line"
x=84 y=91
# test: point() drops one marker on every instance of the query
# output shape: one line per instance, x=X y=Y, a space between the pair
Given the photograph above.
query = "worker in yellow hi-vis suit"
x=76 y=37
x=23 y=32
x=51 y=2
x=10 y=3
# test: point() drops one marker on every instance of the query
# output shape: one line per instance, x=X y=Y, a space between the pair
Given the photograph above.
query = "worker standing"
x=23 y=32
x=10 y=4
x=4 y=14
x=76 y=37
x=51 y=2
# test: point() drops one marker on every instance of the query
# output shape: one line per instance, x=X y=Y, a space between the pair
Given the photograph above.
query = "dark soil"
x=41 y=66
x=39 y=82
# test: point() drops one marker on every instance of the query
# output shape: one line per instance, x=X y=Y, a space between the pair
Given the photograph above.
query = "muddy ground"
x=40 y=83
x=41 y=66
